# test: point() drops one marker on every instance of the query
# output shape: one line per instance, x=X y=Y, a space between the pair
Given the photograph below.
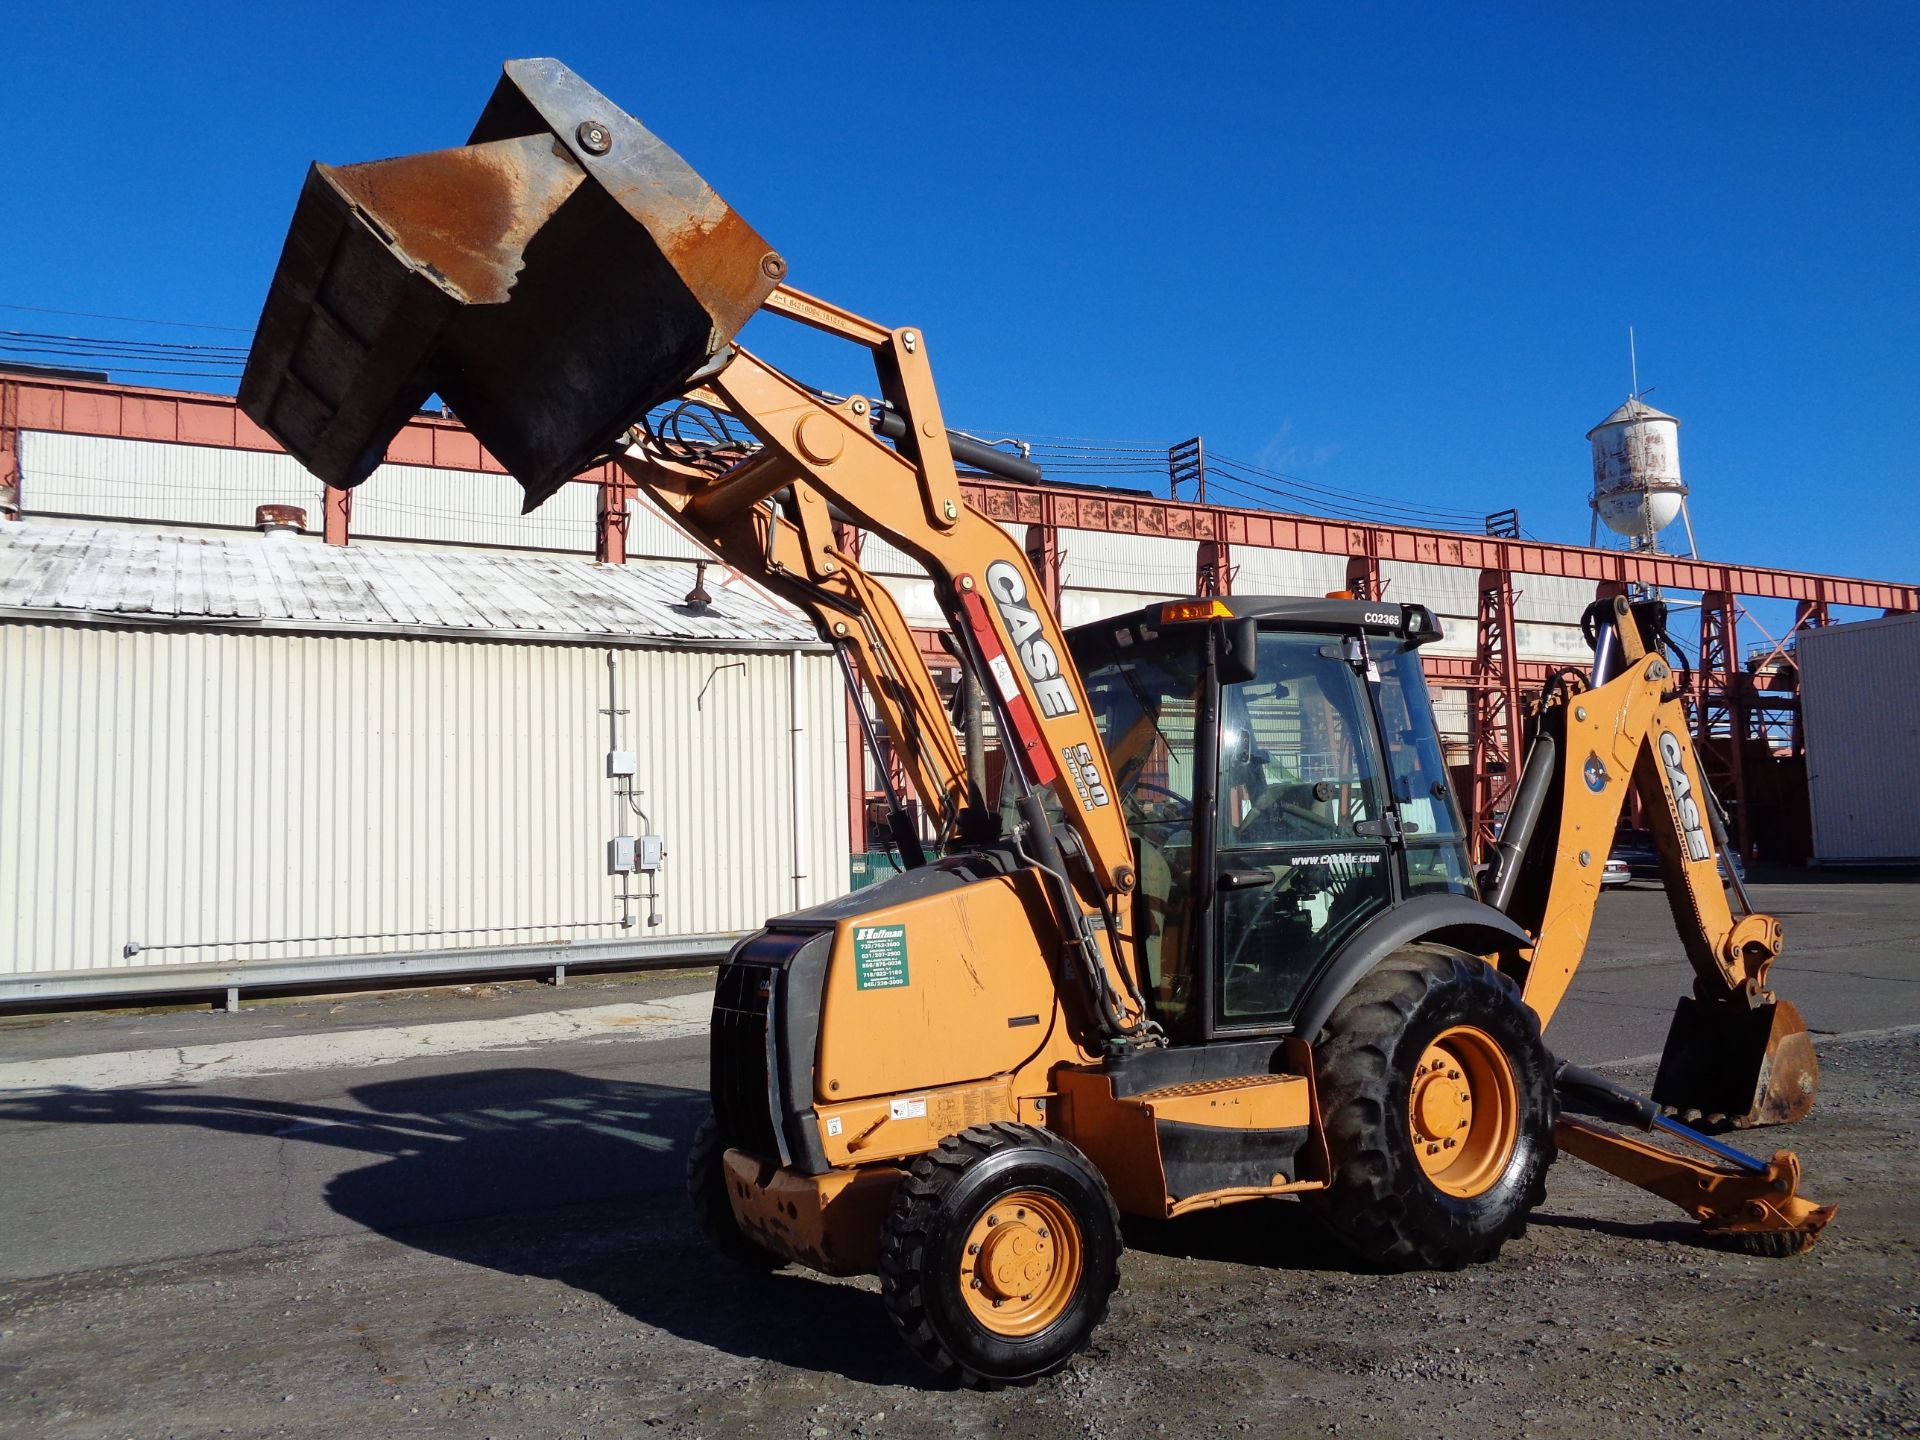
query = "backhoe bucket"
x=550 y=281
x=1730 y=1066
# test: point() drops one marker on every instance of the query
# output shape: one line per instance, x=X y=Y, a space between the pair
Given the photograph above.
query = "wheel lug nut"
x=976 y=1282
x=993 y=1219
x=973 y=1249
x=1448 y=1142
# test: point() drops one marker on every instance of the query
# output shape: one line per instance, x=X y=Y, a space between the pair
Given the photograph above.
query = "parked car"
x=1634 y=849
x=1615 y=872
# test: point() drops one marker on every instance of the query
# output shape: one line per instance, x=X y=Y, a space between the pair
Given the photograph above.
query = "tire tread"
x=904 y=1277
x=1367 y=1205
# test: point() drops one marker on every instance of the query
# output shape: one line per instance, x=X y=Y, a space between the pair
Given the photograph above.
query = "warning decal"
x=879 y=957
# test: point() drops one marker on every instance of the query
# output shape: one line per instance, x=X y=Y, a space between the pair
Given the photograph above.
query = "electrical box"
x=652 y=851
x=620 y=763
x=622 y=852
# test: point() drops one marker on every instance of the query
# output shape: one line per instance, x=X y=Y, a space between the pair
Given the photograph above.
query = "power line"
x=127 y=319
x=1350 y=497
x=94 y=342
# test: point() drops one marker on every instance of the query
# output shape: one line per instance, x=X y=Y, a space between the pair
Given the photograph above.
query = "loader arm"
x=563 y=273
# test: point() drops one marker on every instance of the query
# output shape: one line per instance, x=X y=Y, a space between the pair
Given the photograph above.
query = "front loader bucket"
x=1728 y=1065
x=550 y=281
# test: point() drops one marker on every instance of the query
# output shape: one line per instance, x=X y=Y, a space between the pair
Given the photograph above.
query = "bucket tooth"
x=1729 y=1065
x=550 y=281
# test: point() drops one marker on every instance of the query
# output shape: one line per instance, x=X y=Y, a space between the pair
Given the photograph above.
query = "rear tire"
x=707 y=1195
x=1434 y=1046
x=1007 y=1213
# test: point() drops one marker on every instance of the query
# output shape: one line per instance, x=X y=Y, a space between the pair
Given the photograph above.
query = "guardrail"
x=54 y=989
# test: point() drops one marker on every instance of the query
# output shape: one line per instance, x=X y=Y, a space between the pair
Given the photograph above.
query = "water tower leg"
x=1686 y=519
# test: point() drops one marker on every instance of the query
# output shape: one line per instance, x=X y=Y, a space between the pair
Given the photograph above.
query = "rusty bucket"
x=550 y=281
x=1729 y=1065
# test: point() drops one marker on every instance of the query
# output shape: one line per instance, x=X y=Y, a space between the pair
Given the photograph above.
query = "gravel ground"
x=612 y=1319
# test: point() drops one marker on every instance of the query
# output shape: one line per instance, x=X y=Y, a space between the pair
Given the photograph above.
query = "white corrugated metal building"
x=249 y=747
x=1860 y=704
x=216 y=737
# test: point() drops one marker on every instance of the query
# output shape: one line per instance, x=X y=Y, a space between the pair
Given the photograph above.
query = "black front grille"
x=739 y=1052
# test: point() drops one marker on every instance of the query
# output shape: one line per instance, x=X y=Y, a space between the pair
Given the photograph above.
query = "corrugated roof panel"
x=114 y=571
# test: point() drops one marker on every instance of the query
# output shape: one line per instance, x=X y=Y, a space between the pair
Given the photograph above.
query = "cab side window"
x=1300 y=798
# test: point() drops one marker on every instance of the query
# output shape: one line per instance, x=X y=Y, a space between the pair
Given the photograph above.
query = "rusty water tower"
x=1637 y=489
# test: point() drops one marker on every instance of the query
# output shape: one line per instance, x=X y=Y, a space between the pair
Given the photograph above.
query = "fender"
x=1445 y=919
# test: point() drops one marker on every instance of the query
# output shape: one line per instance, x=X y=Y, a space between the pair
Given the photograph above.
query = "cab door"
x=1303 y=849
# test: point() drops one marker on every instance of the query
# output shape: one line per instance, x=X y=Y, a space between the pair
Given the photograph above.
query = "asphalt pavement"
x=195 y=1132
x=399 y=1148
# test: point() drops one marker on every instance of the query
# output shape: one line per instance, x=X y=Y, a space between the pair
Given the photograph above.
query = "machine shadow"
x=1276 y=1234
x=1670 y=1232
x=542 y=1173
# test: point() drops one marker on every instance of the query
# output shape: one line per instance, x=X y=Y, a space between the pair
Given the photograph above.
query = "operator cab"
x=1280 y=772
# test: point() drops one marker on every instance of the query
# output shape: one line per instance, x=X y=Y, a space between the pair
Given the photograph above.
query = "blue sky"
x=1389 y=249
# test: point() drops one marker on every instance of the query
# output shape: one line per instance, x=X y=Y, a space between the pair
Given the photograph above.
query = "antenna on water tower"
x=1637 y=489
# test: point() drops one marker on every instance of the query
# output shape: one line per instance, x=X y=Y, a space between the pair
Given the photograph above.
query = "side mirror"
x=1236 y=646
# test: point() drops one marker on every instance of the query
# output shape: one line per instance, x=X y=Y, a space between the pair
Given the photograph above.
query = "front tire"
x=1437 y=1096
x=1000 y=1255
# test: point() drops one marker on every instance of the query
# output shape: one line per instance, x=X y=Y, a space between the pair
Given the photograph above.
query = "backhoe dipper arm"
x=1628 y=729
x=1735 y=1055
x=820 y=460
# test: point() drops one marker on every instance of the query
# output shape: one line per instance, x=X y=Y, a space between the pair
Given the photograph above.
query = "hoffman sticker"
x=833 y=1125
x=1086 y=776
x=880 y=957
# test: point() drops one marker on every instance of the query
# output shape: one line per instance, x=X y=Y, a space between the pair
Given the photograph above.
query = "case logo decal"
x=1684 y=800
x=1037 y=657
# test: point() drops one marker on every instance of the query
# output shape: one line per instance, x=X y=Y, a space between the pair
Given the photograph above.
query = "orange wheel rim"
x=1464 y=1111
x=1022 y=1263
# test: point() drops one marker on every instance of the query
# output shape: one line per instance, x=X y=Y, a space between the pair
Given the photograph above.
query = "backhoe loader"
x=1217 y=941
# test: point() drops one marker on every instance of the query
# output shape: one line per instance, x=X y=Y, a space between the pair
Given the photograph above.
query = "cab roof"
x=1414 y=623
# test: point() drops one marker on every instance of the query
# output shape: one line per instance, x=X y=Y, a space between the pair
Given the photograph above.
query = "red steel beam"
x=1178 y=520
x=79 y=407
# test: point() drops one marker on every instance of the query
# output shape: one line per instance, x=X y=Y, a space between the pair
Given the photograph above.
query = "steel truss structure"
x=1737 y=709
